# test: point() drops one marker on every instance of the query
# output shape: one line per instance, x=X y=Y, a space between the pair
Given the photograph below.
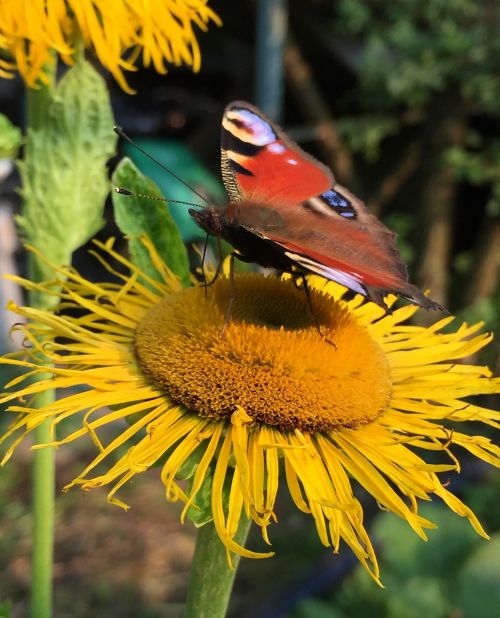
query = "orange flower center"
x=271 y=360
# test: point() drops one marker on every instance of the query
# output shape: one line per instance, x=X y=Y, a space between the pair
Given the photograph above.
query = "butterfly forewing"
x=260 y=164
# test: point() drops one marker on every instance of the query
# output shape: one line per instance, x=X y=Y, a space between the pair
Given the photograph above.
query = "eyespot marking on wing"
x=335 y=199
x=331 y=202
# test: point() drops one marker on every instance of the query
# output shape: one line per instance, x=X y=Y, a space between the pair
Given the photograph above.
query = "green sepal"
x=138 y=217
x=10 y=139
x=64 y=173
x=200 y=513
x=188 y=468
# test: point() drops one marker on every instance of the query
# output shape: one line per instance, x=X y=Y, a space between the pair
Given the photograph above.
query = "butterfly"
x=286 y=211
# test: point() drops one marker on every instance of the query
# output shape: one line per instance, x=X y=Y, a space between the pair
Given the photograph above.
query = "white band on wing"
x=350 y=281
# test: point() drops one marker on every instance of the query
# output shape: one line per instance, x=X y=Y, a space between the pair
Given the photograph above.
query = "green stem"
x=211 y=578
x=43 y=496
x=44 y=460
x=38 y=99
x=43 y=518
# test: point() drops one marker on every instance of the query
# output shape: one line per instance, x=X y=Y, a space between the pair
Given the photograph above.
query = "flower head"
x=117 y=31
x=363 y=397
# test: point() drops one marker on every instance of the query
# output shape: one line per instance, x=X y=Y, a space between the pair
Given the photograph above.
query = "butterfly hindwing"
x=327 y=242
x=336 y=250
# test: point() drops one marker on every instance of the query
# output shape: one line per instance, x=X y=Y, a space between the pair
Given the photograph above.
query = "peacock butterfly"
x=287 y=212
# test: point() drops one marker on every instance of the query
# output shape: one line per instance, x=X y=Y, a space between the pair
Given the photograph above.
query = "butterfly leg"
x=232 y=293
x=295 y=278
x=307 y=291
x=232 y=288
x=206 y=283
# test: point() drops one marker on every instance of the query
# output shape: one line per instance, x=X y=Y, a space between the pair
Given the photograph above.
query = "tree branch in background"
x=393 y=182
x=313 y=106
x=446 y=128
x=437 y=210
x=484 y=275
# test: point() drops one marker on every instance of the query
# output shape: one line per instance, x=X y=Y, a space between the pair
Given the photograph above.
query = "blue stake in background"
x=272 y=21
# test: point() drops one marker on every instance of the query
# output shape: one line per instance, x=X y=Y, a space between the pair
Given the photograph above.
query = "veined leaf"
x=10 y=138
x=138 y=217
x=64 y=170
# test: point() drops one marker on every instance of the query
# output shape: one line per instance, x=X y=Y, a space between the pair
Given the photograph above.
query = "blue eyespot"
x=335 y=199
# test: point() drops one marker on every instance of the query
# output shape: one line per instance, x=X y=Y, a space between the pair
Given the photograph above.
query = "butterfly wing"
x=285 y=197
x=362 y=256
x=260 y=164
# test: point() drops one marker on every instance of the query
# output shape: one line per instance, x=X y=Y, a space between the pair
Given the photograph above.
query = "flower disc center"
x=271 y=360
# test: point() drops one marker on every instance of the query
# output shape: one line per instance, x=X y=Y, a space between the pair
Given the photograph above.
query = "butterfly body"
x=224 y=222
x=286 y=211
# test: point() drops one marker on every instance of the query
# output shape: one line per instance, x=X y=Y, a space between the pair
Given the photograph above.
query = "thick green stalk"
x=39 y=99
x=44 y=459
x=211 y=578
x=43 y=509
x=43 y=519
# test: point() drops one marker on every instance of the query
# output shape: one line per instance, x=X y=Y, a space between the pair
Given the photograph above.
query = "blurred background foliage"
x=401 y=100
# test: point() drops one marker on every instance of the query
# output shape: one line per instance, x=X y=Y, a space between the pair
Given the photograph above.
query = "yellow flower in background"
x=365 y=399
x=117 y=31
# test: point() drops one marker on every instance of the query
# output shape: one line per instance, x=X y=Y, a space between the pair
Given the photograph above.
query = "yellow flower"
x=117 y=31
x=364 y=399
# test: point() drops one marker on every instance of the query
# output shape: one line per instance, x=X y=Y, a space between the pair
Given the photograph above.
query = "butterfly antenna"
x=128 y=193
x=119 y=131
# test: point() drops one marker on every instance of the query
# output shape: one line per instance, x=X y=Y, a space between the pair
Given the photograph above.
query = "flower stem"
x=43 y=497
x=38 y=99
x=211 y=578
x=43 y=519
x=44 y=459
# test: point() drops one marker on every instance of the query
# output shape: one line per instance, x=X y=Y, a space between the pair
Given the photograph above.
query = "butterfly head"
x=209 y=219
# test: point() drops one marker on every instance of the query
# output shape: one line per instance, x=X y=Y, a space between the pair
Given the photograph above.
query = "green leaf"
x=365 y=134
x=316 y=608
x=138 y=217
x=477 y=585
x=448 y=544
x=5 y=609
x=178 y=158
x=201 y=512
x=10 y=139
x=64 y=171
x=188 y=468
